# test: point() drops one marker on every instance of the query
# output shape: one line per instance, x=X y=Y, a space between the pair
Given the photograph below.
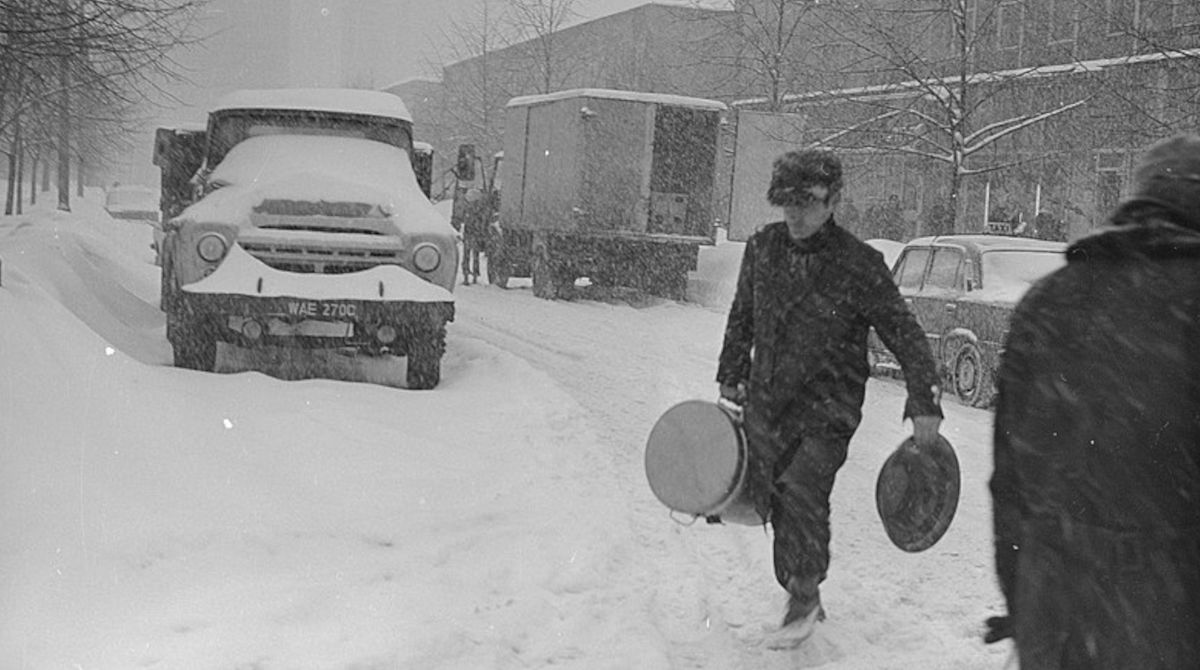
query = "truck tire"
x=674 y=284
x=192 y=347
x=498 y=272
x=195 y=352
x=424 y=360
x=546 y=282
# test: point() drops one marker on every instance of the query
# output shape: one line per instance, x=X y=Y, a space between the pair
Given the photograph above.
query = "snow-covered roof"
x=877 y=91
x=992 y=242
x=613 y=94
x=345 y=100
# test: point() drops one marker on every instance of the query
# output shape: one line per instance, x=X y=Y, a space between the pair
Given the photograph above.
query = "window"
x=946 y=270
x=912 y=268
x=1108 y=194
x=1121 y=16
x=1155 y=15
x=1008 y=24
x=1062 y=20
x=1185 y=12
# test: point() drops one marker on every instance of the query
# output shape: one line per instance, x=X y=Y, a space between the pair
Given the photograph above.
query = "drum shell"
x=697 y=463
x=917 y=493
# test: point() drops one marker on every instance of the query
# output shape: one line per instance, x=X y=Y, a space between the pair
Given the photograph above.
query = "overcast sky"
x=315 y=43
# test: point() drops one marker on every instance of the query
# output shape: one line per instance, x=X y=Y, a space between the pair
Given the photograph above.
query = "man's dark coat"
x=797 y=332
x=1096 y=486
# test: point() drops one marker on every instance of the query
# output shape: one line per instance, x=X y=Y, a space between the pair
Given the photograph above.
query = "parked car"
x=132 y=202
x=962 y=289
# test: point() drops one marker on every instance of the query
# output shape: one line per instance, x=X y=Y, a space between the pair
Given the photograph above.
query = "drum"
x=697 y=460
x=916 y=493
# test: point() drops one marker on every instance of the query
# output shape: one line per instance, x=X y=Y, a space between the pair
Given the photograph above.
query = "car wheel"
x=972 y=380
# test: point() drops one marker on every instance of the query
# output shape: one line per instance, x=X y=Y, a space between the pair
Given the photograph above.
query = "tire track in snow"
x=705 y=590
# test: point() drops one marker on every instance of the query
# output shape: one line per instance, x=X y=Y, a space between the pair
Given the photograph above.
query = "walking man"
x=795 y=358
x=1096 y=487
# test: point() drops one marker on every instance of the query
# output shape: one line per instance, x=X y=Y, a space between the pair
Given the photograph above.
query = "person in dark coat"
x=1096 y=487
x=795 y=358
x=475 y=220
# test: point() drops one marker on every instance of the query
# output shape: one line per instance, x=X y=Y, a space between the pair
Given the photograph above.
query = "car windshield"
x=1007 y=270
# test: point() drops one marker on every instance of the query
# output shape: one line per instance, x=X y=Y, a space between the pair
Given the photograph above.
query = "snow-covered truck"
x=308 y=228
x=615 y=186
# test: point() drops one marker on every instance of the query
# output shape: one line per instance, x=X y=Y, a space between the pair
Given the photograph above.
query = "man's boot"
x=804 y=611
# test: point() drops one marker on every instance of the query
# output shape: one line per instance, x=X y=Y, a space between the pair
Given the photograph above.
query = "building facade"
x=982 y=114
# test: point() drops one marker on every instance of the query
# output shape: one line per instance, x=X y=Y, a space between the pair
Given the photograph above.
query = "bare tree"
x=768 y=51
x=537 y=23
x=473 y=97
x=93 y=62
x=927 y=97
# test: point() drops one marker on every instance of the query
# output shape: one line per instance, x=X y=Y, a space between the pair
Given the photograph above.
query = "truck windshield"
x=229 y=128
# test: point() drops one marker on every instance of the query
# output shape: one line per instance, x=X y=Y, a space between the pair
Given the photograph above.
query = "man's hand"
x=998 y=628
x=734 y=393
x=925 y=429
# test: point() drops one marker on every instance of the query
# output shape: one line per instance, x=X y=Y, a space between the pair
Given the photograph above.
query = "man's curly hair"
x=795 y=171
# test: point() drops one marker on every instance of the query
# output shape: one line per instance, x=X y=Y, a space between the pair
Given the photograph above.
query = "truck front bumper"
x=366 y=325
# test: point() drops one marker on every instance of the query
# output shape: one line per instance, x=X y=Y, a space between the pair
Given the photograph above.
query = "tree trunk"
x=12 y=197
x=19 y=144
x=33 y=173
x=12 y=177
x=64 y=140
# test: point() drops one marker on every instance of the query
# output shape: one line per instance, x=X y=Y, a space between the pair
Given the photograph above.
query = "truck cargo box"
x=598 y=162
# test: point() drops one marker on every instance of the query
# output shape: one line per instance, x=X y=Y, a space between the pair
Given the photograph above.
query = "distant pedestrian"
x=795 y=358
x=474 y=232
x=1096 y=488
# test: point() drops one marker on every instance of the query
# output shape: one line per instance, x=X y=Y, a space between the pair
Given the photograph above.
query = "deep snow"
x=162 y=518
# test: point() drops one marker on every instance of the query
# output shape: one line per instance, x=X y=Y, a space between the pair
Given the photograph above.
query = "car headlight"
x=212 y=247
x=427 y=257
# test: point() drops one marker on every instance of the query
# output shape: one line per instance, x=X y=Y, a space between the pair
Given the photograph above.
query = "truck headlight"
x=212 y=247
x=426 y=257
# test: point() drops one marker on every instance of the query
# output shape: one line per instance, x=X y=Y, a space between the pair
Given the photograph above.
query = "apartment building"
x=1044 y=104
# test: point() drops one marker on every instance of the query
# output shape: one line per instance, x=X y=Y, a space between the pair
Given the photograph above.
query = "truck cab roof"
x=336 y=100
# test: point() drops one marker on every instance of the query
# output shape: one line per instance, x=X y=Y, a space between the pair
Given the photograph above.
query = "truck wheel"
x=544 y=283
x=498 y=272
x=971 y=377
x=195 y=351
x=674 y=285
x=425 y=360
x=192 y=347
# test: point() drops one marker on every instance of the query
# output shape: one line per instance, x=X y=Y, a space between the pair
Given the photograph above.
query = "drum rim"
x=946 y=459
x=738 y=476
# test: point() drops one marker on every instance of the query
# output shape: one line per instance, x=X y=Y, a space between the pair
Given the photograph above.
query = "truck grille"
x=303 y=241
x=294 y=258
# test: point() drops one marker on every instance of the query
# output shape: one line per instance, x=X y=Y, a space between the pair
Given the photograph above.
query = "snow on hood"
x=316 y=168
x=240 y=274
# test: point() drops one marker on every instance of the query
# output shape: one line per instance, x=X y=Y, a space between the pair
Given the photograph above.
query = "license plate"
x=310 y=328
x=316 y=309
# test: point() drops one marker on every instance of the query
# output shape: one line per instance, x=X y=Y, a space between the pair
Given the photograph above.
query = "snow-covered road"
x=710 y=589
x=163 y=518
